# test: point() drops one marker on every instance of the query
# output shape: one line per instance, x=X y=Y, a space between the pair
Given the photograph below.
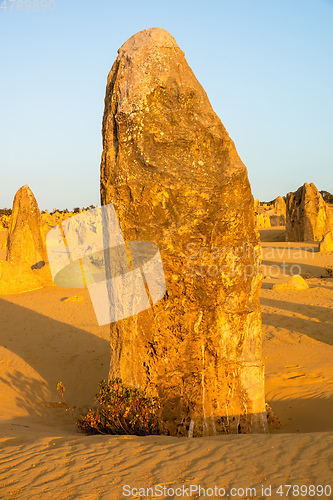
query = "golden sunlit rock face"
x=26 y=240
x=308 y=216
x=25 y=267
x=326 y=245
x=175 y=179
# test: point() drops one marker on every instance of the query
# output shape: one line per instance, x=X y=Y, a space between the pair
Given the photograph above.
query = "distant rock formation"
x=256 y=207
x=51 y=220
x=26 y=240
x=48 y=220
x=263 y=221
x=174 y=177
x=280 y=212
x=272 y=215
x=275 y=220
x=280 y=206
x=307 y=216
x=25 y=267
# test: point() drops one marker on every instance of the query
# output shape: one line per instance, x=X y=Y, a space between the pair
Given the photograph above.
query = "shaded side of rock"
x=280 y=209
x=277 y=220
x=175 y=179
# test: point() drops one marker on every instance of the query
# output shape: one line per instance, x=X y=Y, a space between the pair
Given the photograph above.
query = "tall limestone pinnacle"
x=26 y=240
x=26 y=267
x=308 y=216
x=175 y=179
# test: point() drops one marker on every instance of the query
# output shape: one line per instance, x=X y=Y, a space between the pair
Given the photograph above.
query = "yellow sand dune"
x=45 y=339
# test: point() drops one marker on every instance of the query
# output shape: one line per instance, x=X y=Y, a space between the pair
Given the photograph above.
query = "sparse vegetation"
x=328 y=197
x=5 y=215
x=5 y=211
x=61 y=389
x=8 y=211
x=76 y=210
x=122 y=410
x=329 y=271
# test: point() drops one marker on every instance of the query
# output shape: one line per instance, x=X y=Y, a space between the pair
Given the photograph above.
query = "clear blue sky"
x=266 y=65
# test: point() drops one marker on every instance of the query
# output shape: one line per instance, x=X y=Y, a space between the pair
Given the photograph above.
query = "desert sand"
x=46 y=339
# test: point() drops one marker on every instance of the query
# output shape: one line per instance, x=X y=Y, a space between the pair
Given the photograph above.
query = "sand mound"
x=295 y=283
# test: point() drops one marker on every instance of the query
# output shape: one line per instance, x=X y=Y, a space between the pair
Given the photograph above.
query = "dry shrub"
x=122 y=410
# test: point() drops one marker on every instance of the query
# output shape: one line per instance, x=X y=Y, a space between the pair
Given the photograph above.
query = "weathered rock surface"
x=25 y=267
x=263 y=221
x=276 y=220
x=175 y=179
x=26 y=239
x=307 y=215
x=280 y=210
x=326 y=244
x=295 y=283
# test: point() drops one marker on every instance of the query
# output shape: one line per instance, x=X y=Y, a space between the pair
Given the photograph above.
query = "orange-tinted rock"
x=26 y=239
x=326 y=245
x=275 y=220
x=280 y=210
x=18 y=278
x=175 y=179
x=263 y=221
x=256 y=206
x=26 y=266
x=308 y=216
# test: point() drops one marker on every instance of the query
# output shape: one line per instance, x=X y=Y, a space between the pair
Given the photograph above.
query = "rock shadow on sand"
x=315 y=326
x=44 y=351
